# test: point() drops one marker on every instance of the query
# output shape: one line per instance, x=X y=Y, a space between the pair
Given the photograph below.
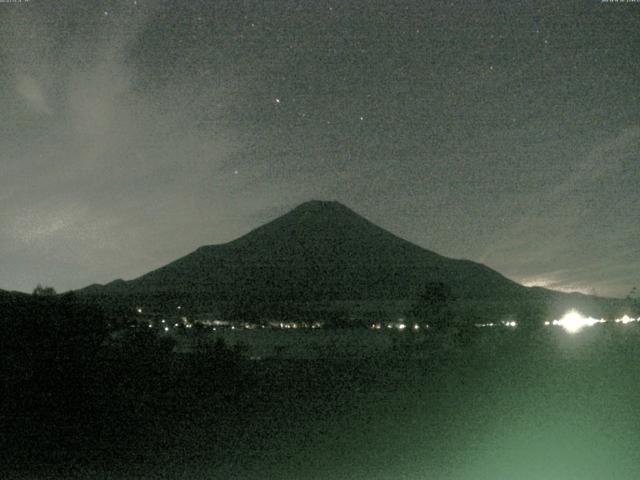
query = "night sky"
x=508 y=132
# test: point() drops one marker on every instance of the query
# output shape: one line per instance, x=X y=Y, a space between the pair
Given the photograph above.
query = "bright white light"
x=626 y=319
x=416 y=327
x=574 y=321
x=166 y=329
x=139 y=309
x=402 y=326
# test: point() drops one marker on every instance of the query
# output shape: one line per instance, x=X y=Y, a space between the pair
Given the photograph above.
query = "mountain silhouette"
x=319 y=253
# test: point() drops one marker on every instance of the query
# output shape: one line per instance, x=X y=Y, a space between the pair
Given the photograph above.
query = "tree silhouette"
x=632 y=299
x=44 y=291
x=433 y=305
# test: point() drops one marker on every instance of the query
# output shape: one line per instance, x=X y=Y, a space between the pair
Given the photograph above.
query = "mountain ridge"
x=317 y=253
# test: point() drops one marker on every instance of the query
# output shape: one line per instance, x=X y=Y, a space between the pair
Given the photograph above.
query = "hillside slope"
x=319 y=253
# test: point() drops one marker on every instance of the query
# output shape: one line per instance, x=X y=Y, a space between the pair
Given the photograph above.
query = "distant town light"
x=166 y=329
x=625 y=319
x=139 y=309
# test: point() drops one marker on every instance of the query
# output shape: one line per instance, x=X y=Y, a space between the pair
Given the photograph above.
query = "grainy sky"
x=506 y=132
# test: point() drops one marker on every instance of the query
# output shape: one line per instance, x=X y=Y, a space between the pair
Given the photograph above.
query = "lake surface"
x=310 y=343
x=507 y=405
x=555 y=406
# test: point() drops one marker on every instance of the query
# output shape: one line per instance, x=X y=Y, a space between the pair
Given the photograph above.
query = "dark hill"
x=318 y=253
x=6 y=296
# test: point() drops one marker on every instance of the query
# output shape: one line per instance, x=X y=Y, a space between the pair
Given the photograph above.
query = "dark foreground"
x=504 y=405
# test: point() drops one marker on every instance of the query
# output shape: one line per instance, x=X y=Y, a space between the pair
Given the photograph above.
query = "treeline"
x=68 y=386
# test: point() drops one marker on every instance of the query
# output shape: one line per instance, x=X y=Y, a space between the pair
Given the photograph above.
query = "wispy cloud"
x=581 y=223
x=32 y=92
x=102 y=164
